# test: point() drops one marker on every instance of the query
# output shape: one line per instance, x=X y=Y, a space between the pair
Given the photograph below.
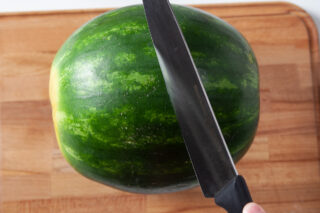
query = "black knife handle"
x=234 y=196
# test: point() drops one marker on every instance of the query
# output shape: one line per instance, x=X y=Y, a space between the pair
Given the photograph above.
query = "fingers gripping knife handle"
x=234 y=196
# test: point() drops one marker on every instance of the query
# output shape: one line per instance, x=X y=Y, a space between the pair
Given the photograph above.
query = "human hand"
x=253 y=208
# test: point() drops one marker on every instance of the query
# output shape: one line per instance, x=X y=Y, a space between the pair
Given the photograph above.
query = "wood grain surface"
x=282 y=167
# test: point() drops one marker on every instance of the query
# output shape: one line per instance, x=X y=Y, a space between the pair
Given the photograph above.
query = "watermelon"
x=113 y=118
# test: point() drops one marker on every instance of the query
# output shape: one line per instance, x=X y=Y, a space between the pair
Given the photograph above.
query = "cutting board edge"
x=315 y=61
x=95 y=10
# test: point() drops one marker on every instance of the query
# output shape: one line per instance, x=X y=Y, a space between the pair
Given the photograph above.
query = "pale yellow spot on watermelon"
x=60 y=116
x=54 y=97
x=53 y=88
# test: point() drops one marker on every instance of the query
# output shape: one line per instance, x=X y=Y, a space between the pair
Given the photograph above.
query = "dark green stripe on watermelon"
x=113 y=117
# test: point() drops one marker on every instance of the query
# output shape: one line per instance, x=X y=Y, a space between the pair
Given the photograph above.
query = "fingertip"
x=253 y=208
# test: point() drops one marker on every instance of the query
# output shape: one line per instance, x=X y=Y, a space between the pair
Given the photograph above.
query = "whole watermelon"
x=112 y=115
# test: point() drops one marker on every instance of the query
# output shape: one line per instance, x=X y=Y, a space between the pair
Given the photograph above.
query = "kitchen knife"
x=207 y=149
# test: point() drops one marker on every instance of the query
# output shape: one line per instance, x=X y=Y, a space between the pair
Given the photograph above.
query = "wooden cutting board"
x=282 y=167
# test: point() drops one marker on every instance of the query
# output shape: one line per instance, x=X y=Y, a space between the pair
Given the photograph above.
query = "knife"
x=203 y=138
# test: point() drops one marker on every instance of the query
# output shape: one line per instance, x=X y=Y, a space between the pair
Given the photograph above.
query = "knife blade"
x=209 y=154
